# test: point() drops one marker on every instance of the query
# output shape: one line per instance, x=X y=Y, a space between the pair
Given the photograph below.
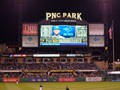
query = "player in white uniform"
x=57 y=32
x=16 y=81
x=41 y=87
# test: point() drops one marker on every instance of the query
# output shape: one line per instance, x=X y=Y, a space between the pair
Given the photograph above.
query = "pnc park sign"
x=58 y=15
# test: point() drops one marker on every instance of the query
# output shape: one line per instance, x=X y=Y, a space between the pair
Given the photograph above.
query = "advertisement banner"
x=96 y=29
x=96 y=41
x=61 y=70
x=29 y=41
x=46 y=55
x=30 y=29
x=93 y=79
x=38 y=79
x=10 y=79
x=10 y=70
x=66 y=79
x=117 y=80
x=35 y=70
x=17 y=55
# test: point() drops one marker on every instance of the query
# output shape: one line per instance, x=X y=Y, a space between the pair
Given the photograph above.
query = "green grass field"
x=62 y=85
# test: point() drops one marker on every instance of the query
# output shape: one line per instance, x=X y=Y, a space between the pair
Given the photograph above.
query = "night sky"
x=15 y=12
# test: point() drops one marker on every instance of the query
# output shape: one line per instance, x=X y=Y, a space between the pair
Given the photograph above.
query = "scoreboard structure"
x=55 y=33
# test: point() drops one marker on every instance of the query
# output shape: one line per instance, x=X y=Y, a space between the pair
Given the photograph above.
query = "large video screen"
x=63 y=35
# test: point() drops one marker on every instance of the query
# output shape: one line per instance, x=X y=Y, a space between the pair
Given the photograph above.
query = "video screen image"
x=63 y=35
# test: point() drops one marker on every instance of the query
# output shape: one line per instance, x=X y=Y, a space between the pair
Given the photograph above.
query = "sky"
x=15 y=12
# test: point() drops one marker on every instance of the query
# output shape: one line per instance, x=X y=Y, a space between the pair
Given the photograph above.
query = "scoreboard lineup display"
x=63 y=35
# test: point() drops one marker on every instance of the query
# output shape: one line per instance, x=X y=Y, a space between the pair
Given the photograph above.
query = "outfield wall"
x=78 y=79
x=0 y=79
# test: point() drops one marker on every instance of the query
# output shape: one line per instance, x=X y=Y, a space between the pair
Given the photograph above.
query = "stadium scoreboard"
x=59 y=34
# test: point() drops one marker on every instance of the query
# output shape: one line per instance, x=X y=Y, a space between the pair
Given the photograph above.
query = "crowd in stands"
x=62 y=75
x=89 y=74
x=49 y=51
x=12 y=74
x=60 y=66
x=47 y=67
x=34 y=75
x=11 y=66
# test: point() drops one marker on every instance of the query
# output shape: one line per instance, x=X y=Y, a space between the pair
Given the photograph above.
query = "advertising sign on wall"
x=39 y=79
x=29 y=41
x=10 y=79
x=96 y=29
x=96 y=41
x=66 y=79
x=93 y=79
x=30 y=29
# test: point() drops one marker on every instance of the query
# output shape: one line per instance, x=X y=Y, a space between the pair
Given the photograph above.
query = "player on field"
x=16 y=81
x=41 y=87
x=67 y=88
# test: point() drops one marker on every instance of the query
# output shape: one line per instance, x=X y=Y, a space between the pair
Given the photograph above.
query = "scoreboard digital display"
x=63 y=35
